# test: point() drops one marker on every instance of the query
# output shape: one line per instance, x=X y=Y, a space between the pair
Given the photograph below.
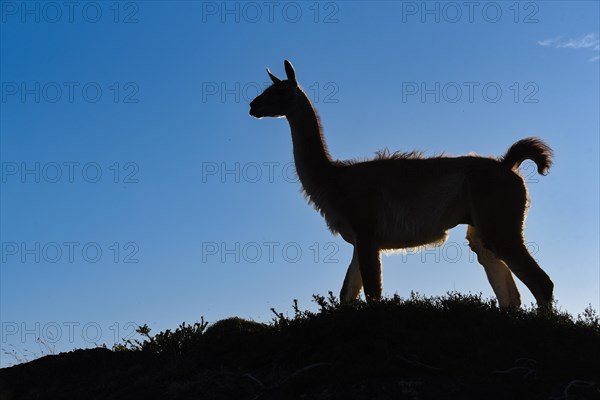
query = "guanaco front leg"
x=352 y=282
x=370 y=269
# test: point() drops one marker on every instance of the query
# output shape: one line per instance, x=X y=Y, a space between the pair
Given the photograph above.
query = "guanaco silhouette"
x=403 y=200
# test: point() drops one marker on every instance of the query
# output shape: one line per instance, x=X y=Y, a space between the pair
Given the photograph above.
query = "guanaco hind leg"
x=496 y=270
x=514 y=253
x=352 y=282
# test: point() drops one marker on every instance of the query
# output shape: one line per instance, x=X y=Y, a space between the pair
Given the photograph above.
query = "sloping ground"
x=455 y=347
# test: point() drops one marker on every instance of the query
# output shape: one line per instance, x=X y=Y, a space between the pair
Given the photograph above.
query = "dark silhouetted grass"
x=450 y=347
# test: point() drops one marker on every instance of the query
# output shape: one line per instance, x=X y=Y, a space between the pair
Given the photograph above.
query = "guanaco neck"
x=313 y=163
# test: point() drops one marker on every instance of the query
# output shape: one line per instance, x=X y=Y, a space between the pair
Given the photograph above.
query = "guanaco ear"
x=273 y=77
x=289 y=71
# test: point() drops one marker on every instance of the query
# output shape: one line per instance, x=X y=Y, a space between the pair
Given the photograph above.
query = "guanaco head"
x=278 y=99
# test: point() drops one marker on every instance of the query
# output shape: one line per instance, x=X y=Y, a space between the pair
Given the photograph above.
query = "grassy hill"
x=450 y=347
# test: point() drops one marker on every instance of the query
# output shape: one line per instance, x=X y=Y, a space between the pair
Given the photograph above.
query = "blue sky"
x=136 y=189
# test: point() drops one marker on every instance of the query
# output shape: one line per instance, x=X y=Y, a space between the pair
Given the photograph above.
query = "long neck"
x=313 y=163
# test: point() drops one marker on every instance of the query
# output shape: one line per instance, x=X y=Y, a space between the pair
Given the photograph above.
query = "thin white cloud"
x=548 y=42
x=587 y=41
